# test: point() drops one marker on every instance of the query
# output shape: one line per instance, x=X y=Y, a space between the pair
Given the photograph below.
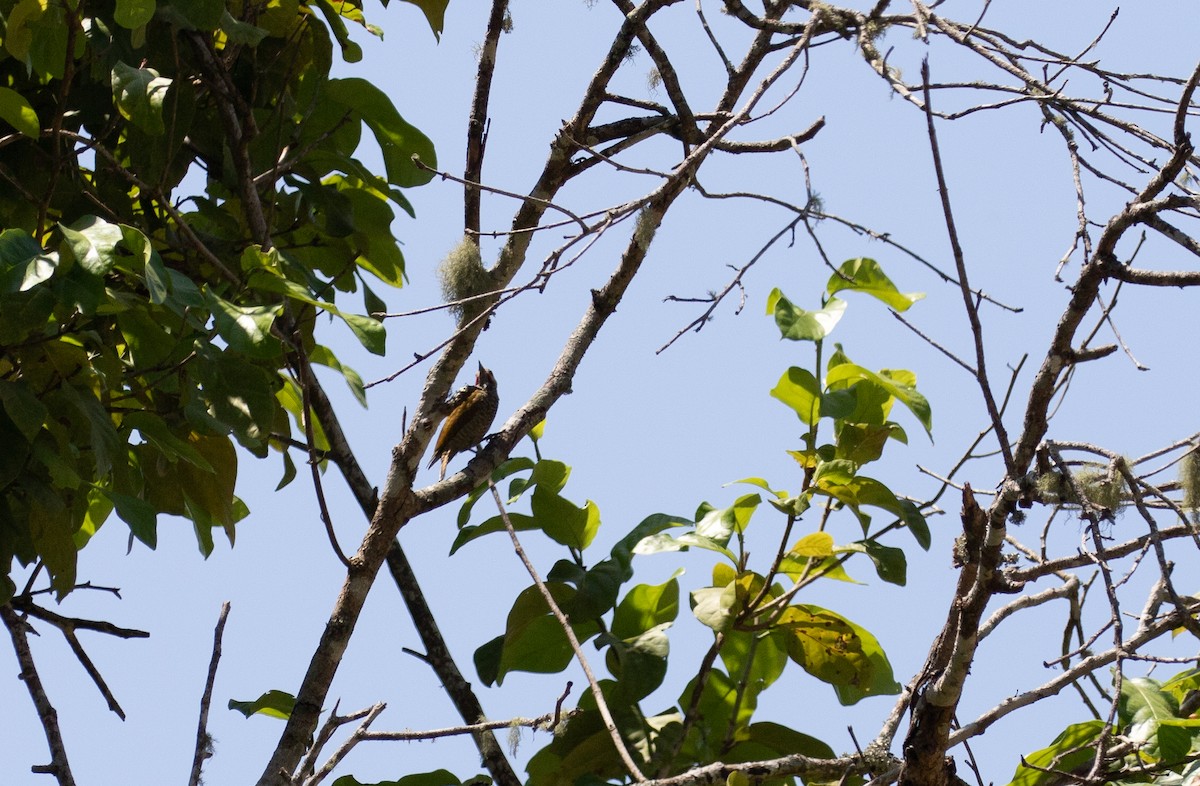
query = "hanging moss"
x=463 y=276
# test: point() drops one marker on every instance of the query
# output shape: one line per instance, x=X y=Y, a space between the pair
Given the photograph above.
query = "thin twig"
x=969 y=303
x=597 y=694
x=204 y=748
x=355 y=737
x=306 y=376
x=547 y=721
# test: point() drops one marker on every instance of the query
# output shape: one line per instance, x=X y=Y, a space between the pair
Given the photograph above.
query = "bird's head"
x=485 y=379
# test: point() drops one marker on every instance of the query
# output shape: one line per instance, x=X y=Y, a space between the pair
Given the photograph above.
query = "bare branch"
x=203 y=739
x=968 y=302
x=59 y=767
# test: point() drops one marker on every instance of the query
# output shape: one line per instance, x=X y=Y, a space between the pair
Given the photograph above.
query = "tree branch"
x=59 y=767
x=204 y=748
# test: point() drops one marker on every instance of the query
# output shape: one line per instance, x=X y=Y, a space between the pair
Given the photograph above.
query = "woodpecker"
x=472 y=410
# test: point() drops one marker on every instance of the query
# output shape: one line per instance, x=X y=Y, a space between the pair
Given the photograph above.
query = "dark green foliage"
x=182 y=200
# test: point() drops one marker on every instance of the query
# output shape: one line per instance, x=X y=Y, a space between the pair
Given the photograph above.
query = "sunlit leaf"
x=866 y=276
x=801 y=391
x=816 y=544
x=16 y=110
x=825 y=645
x=1069 y=751
x=246 y=328
x=273 y=703
x=715 y=606
x=646 y=606
x=798 y=324
x=898 y=383
x=139 y=94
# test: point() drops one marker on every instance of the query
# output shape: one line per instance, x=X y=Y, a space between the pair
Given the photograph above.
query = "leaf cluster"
x=758 y=628
x=183 y=201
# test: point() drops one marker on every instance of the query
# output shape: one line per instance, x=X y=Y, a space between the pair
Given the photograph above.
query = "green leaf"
x=194 y=14
x=16 y=110
x=324 y=356
x=245 y=328
x=132 y=14
x=863 y=443
x=398 y=140
x=435 y=14
x=37 y=33
x=717 y=525
x=757 y=660
x=563 y=521
x=273 y=703
x=799 y=389
x=719 y=696
x=508 y=468
x=598 y=587
x=797 y=324
x=898 y=383
x=27 y=412
x=435 y=778
x=1069 y=751
x=890 y=562
x=241 y=396
x=715 y=606
x=882 y=681
x=816 y=544
x=1144 y=708
x=138 y=514
x=915 y=522
x=836 y=479
x=51 y=531
x=94 y=242
x=290 y=399
x=371 y=228
x=369 y=331
x=373 y=305
x=155 y=431
x=289 y=471
x=239 y=32
x=550 y=475
x=1182 y=683
x=646 y=606
x=662 y=543
x=23 y=262
x=762 y=741
x=1143 y=701
x=866 y=276
x=351 y=52
x=533 y=639
x=639 y=663
x=210 y=493
x=139 y=94
x=825 y=645
x=581 y=753
x=106 y=443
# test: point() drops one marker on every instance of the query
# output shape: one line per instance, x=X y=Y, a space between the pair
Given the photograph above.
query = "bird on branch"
x=472 y=409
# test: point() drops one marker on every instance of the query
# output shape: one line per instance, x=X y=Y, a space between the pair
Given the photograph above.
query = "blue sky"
x=644 y=432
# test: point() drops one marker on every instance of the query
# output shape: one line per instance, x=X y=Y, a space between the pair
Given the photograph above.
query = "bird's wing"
x=458 y=397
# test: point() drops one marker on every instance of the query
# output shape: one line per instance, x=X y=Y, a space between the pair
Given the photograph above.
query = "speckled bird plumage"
x=472 y=410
